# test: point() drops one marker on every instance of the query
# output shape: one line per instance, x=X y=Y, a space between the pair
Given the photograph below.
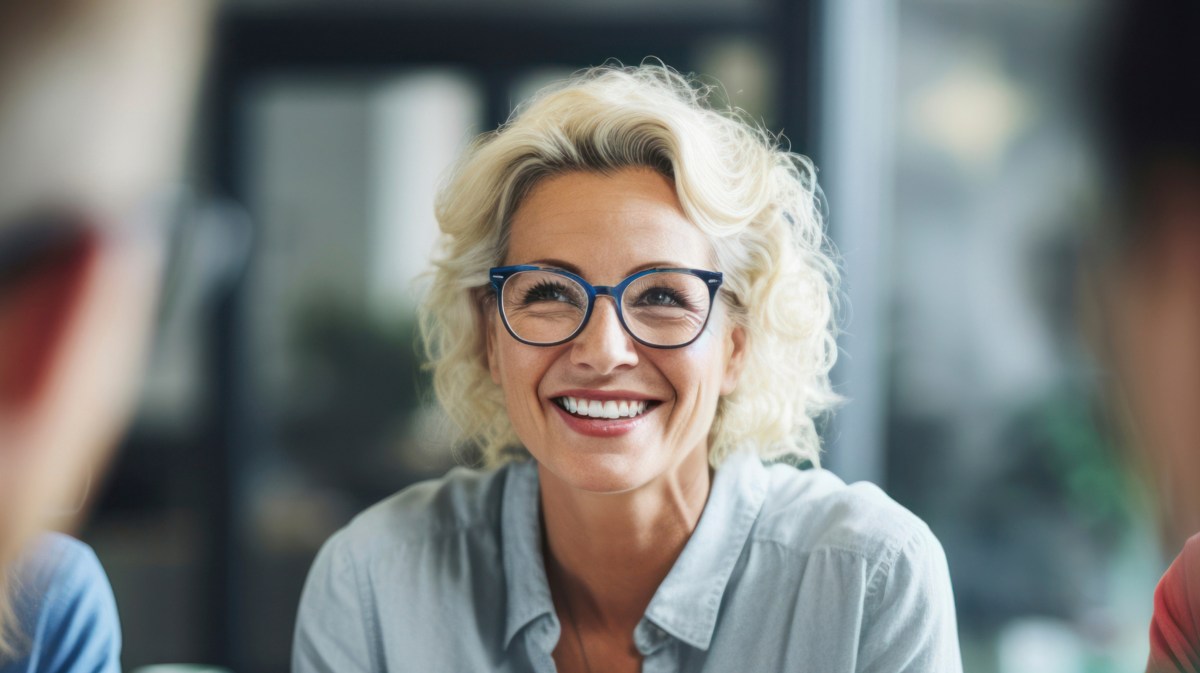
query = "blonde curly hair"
x=758 y=202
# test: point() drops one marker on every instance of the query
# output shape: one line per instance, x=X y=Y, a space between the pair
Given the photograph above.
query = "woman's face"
x=605 y=228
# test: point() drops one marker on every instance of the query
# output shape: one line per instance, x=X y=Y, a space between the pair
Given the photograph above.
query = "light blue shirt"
x=787 y=570
x=66 y=613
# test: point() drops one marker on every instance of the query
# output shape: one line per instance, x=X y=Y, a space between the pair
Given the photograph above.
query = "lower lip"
x=602 y=427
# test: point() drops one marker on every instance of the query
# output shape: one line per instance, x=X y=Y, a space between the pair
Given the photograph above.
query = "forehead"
x=606 y=226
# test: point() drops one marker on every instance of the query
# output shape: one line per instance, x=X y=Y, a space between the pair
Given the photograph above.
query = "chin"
x=603 y=472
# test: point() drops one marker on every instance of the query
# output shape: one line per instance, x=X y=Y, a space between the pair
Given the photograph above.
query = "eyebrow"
x=567 y=266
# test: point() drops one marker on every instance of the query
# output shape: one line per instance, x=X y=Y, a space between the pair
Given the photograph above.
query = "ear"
x=735 y=342
x=36 y=314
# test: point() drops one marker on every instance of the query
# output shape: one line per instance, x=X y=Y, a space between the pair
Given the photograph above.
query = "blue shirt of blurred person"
x=66 y=613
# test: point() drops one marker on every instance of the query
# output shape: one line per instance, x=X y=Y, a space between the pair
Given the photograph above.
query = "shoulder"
x=62 y=576
x=876 y=554
x=50 y=555
x=461 y=499
x=1173 y=631
x=1191 y=552
x=396 y=563
x=464 y=500
x=1177 y=588
x=811 y=511
x=67 y=606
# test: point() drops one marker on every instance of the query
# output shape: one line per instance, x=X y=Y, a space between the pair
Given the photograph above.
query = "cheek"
x=695 y=373
x=519 y=371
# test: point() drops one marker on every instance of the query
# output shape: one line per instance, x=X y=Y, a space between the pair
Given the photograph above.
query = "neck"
x=610 y=552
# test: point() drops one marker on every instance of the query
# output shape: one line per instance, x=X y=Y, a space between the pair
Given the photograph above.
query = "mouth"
x=581 y=407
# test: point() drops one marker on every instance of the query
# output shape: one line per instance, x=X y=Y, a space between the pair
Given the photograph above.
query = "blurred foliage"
x=358 y=385
x=1072 y=465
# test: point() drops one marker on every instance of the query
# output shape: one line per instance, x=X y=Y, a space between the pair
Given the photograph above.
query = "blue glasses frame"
x=500 y=275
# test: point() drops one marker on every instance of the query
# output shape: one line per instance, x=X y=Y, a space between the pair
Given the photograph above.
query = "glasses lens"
x=543 y=307
x=666 y=308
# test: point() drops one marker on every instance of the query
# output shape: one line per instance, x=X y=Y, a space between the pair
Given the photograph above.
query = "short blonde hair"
x=758 y=203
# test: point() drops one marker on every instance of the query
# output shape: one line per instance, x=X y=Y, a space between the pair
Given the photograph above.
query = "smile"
x=609 y=409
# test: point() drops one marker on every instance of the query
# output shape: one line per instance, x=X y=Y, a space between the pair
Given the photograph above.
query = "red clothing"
x=1175 y=629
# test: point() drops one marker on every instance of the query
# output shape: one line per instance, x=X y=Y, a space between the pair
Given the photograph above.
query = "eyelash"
x=671 y=294
x=543 y=288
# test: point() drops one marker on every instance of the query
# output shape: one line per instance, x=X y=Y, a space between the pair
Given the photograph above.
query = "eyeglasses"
x=30 y=241
x=206 y=242
x=660 y=308
x=24 y=245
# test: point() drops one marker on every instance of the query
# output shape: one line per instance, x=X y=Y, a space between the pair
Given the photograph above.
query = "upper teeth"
x=605 y=409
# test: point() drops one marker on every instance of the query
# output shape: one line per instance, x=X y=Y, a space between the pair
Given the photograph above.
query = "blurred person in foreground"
x=1149 y=276
x=632 y=310
x=93 y=101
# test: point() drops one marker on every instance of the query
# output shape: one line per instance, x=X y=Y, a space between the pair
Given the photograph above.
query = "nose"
x=603 y=345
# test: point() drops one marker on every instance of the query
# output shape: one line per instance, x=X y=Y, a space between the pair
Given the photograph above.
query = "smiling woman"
x=632 y=310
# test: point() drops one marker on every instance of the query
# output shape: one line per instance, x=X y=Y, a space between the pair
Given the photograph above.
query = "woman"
x=633 y=307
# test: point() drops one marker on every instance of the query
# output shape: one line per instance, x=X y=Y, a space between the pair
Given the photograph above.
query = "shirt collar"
x=686 y=603
x=528 y=593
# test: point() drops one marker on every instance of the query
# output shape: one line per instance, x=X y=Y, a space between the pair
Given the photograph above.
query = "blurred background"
x=284 y=394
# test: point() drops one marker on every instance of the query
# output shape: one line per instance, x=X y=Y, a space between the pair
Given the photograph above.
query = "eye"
x=662 y=296
x=549 y=291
